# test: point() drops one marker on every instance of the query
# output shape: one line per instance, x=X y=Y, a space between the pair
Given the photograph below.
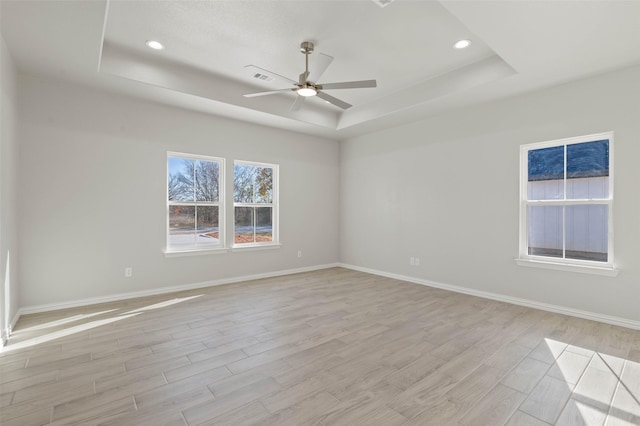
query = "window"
x=195 y=187
x=566 y=201
x=255 y=203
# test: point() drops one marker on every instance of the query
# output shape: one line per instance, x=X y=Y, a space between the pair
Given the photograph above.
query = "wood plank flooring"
x=331 y=347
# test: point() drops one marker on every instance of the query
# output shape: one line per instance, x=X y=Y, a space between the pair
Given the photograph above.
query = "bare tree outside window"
x=253 y=196
x=193 y=191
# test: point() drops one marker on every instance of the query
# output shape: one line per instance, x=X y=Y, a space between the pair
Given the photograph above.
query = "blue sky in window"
x=586 y=159
x=175 y=165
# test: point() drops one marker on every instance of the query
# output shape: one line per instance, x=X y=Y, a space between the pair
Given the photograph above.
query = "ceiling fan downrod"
x=304 y=87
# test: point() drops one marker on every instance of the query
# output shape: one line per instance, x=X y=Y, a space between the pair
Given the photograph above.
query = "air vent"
x=383 y=3
x=263 y=77
x=257 y=74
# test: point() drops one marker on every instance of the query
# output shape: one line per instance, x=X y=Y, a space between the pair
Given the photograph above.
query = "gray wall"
x=445 y=190
x=8 y=192
x=93 y=188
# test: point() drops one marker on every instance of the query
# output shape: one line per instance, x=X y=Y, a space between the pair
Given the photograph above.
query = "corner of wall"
x=8 y=192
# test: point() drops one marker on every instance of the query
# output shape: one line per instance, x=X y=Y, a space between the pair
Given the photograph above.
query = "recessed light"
x=155 y=45
x=462 y=44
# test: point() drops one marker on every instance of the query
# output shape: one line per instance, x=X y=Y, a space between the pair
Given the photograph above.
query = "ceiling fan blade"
x=335 y=101
x=257 y=70
x=271 y=92
x=297 y=104
x=319 y=64
x=348 y=85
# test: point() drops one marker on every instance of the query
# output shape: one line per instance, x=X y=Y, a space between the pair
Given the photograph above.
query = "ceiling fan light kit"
x=305 y=88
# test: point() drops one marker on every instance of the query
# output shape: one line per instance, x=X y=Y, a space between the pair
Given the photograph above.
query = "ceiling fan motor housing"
x=306 y=47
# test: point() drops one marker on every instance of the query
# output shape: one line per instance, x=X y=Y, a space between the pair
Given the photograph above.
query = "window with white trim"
x=566 y=201
x=195 y=202
x=255 y=204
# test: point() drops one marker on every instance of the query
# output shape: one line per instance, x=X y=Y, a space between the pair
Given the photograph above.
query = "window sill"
x=196 y=252
x=585 y=269
x=252 y=247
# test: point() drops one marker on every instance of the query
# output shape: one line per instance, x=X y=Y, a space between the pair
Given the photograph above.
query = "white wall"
x=445 y=190
x=8 y=172
x=93 y=188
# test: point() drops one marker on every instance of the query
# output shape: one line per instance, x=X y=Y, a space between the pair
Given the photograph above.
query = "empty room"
x=315 y=212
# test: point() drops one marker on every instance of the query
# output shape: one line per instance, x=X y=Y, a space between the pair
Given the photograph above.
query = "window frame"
x=275 y=213
x=195 y=250
x=563 y=263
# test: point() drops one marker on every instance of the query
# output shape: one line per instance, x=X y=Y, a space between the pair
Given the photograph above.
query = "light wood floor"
x=324 y=348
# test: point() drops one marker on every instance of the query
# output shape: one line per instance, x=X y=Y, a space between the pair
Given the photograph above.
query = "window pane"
x=252 y=184
x=182 y=220
x=245 y=229
x=264 y=185
x=545 y=230
x=587 y=232
x=207 y=229
x=243 y=183
x=588 y=170
x=546 y=173
x=180 y=180
x=183 y=233
x=264 y=224
x=206 y=182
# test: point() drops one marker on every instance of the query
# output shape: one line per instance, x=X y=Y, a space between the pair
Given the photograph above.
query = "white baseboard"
x=163 y=290
x=622 y=322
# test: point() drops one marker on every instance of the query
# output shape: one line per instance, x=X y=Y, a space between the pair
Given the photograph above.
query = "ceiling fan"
x=305 y=86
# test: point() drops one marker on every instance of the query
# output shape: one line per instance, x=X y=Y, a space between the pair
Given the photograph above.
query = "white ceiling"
x=518 y=46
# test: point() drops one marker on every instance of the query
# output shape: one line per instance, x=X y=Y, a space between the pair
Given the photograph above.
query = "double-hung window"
x=566 y=202
x=255 y=203
x=195 y=202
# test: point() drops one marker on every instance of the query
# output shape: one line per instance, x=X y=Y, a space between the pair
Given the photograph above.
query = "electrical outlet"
x=299 y=253
x=412 y=261
x=417 y=261
x=128 y=272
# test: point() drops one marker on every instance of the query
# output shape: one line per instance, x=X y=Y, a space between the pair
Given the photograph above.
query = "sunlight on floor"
x=164 y=304
x=62 y=321
x=586 y=387
x=66 y=332
x=86 y=326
